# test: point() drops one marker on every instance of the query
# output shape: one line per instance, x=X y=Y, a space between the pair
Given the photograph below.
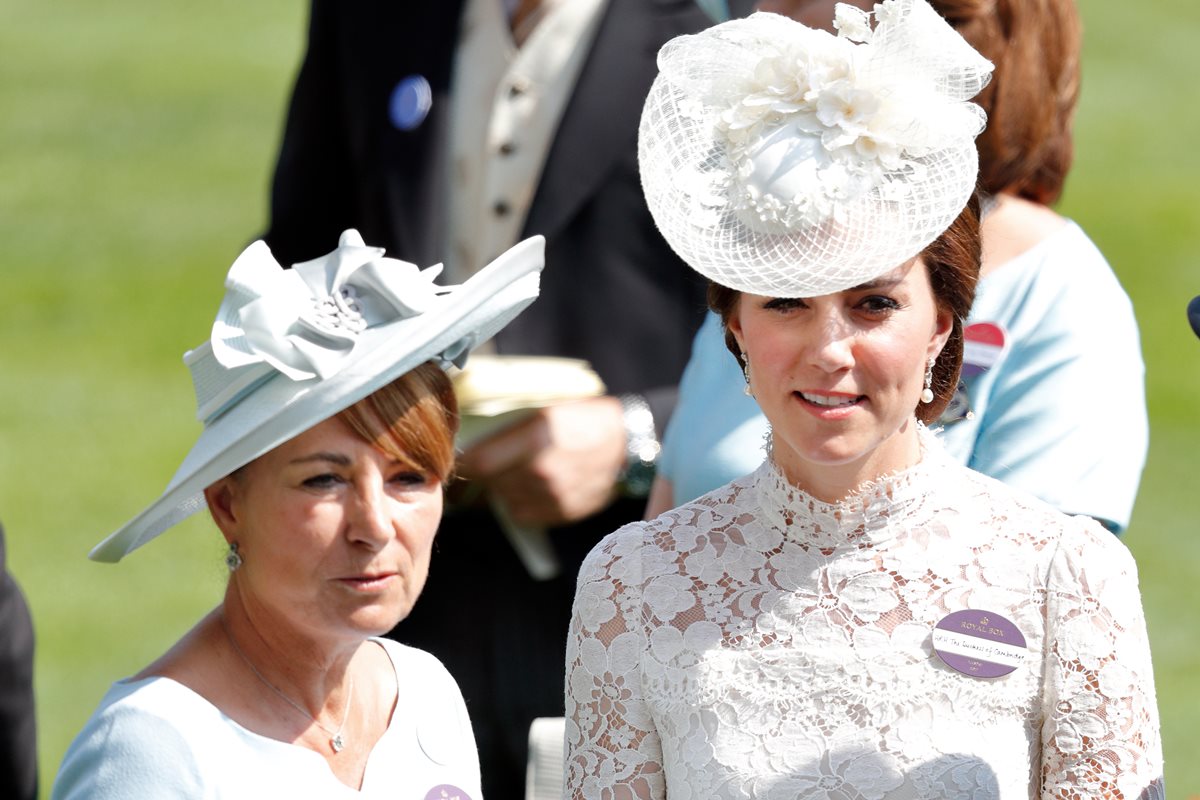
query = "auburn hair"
x=1026 y=149
x=413 y=419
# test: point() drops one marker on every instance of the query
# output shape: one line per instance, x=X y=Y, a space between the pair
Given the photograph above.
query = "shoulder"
x=426 y=687
x=1060 y=304
x=1013 y=227
x=160 y=704
x=403 y=655
x=438 y=694
x=1086 y=548
x=674 y=530
x=430 y=706
x=709 y=511
x=411 y=662
x=1071 y=258
x=643 y=549
x=138 y=743
x=994 y=504
x=1065 y=268
x=614 y=556
x=1021 y=514
x=712 y=508
x=1002 y=501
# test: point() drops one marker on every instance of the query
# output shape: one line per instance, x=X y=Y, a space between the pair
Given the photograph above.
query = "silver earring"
x=746 y=390
x=233 y=559
x=927 y=394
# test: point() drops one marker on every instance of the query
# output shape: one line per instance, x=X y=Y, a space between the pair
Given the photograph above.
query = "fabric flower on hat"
x=818 y=127
x=789 y=162
x=885 y=13
x=852 y=22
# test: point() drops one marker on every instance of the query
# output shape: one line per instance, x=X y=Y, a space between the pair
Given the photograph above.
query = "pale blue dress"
x=157 y=738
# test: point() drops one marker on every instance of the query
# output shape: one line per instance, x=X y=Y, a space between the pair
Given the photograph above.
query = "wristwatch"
x=641 y=446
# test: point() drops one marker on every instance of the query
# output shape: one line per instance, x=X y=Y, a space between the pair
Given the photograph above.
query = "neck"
x=1014 y=226
x=834 y=482
x=311 y=672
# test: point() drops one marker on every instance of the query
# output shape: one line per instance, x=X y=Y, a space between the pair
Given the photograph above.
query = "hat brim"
x=281 y=409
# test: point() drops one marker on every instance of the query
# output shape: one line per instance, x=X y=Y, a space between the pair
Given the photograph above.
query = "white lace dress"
x=758 y=643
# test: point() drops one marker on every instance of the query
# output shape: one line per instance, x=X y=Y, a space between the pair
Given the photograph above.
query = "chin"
x=377 y=621
x=828 y=452
x=808 y=455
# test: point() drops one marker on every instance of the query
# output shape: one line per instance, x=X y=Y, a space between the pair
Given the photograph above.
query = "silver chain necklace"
x=335 y=737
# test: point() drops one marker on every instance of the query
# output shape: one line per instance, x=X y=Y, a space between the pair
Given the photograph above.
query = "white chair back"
x=544 y=771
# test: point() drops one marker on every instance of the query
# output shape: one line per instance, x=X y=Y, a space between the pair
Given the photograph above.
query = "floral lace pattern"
x=759 y=643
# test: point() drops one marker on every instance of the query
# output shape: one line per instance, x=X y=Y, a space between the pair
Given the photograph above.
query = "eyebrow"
x=877 y=283
x=333 y=458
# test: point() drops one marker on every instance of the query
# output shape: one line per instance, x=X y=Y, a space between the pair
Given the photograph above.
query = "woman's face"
x=335 y=535
x=813 y=13
x=839 y=376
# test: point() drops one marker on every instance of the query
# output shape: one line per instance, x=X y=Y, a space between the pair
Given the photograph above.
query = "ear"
x=943 y=326
x=221 y=498
x=735 y=326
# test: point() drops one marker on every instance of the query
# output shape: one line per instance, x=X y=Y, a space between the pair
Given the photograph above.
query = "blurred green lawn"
x=136 y=142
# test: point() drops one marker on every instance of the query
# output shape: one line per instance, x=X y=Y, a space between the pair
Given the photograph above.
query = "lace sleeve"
x=1100 y=736
x=612 y=748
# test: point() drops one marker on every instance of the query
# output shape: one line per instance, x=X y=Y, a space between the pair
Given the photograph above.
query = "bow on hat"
x=304 y=322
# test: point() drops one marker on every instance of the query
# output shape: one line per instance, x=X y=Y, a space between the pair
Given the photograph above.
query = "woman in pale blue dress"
x=329 y=426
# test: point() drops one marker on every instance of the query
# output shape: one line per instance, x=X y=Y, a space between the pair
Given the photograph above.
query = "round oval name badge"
x=446 y=792
x=979 y=643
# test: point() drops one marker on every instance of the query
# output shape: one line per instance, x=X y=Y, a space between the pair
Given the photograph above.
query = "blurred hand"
x=559 y=465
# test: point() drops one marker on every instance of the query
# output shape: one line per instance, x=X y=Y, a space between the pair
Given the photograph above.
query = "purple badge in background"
x=979 y=643
x=446 y=792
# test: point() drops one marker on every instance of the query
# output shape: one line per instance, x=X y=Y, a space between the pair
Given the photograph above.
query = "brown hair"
x=952 y=262
x=1026 y=148
x=413 y=419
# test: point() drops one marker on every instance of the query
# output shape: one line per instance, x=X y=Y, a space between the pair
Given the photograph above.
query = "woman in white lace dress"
x=861 y=617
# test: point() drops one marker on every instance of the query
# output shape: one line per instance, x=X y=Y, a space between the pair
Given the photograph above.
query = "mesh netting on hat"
x=788 y=162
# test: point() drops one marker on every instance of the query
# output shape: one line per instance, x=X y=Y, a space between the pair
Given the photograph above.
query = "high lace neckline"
x=871 y=514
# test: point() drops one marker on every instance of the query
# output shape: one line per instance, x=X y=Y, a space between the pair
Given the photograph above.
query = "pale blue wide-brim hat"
x=293 y=347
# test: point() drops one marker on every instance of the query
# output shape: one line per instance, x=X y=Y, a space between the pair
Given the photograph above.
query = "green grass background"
x=136 y=142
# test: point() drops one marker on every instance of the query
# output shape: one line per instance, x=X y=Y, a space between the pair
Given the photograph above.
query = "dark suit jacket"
x=613 y=293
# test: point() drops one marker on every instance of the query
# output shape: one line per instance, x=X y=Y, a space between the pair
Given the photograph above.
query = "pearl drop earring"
x=746 y=390
x=927 y=394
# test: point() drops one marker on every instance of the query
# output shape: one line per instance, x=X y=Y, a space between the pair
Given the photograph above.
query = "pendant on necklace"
x=337 y=743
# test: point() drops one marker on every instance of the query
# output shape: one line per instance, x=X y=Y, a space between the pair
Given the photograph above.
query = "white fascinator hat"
x=790 y=162
x=292 y=347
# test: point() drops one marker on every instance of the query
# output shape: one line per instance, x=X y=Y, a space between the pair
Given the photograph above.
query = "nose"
x=370 y=520
x=831 y=347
